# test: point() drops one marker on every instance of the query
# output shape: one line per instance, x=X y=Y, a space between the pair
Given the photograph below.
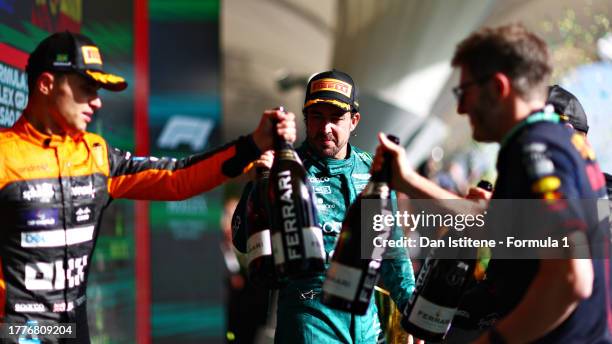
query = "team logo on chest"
x=41 y=218
x=42 y=192
x=83 y=191
x=82 y=214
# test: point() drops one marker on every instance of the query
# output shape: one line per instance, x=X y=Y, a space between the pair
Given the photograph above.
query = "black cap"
x=72 y=52
x=332 y=87
x=568 y=107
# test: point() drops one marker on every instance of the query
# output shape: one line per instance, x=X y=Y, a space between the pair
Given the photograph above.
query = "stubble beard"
x=327 y=152
x=485 y=114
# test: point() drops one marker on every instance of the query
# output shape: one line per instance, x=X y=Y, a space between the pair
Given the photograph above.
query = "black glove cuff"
x=246 y=151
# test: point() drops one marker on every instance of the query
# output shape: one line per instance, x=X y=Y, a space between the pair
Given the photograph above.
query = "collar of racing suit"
x=342 y=168
x=26 y=131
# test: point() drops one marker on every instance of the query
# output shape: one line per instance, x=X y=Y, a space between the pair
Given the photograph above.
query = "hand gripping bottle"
x=297 y=241
x=259 y=245
x=350 y=279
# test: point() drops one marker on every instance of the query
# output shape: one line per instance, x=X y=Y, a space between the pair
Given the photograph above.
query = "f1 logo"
x=187 y=130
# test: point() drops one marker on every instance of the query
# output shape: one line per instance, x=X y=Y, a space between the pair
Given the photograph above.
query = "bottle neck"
x=384 y=174
x=281 y=144
x=377 y=188
x=262 y=172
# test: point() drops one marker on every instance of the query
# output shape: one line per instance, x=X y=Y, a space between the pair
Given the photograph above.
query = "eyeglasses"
x=460 y=90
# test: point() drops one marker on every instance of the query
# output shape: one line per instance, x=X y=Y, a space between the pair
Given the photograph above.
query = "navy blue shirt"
x=542 y=159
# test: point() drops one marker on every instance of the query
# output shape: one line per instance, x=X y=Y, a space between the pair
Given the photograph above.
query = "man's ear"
x=355 y=120
x=44 y=83
x=503 y=85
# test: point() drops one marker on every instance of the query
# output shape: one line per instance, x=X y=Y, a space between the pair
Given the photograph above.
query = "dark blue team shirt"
x=538 y=159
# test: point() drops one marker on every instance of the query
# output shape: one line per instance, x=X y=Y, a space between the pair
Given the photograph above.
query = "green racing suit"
x=301 y=317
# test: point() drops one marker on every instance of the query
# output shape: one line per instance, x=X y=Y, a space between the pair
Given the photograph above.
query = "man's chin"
x=77 y=130
x=479 y=137
x=327 y=152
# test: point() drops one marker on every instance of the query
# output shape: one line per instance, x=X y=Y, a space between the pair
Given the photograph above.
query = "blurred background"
x=202 y=71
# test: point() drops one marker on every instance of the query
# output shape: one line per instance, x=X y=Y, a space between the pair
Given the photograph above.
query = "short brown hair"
x=512 y=50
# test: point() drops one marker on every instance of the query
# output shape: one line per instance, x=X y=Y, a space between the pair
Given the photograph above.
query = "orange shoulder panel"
x=99 y=151
x=21 y=159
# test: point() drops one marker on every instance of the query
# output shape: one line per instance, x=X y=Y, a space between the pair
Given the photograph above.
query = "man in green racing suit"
x=338 y=172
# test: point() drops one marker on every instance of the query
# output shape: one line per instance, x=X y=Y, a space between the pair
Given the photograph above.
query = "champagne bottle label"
x=289 y=217
x=313 y=242
x=277 y=248
x=259 y=245
x=342 y=281
x=431 y=317
x=370 y=280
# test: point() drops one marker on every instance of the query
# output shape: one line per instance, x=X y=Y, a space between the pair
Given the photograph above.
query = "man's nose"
x=327 y=126
x=96 y=103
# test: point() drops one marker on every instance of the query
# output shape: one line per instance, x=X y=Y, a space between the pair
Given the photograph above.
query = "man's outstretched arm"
x=175 y=179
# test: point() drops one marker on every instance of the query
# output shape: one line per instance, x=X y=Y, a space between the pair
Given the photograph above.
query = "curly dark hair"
x=512 y=50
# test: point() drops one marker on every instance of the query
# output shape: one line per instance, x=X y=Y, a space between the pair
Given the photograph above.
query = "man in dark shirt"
x=503 y=88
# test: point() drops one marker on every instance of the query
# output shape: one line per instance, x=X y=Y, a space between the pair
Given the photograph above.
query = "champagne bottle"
x=259 y=245
x=297 y=241
x=350 y=279
x=440 y=285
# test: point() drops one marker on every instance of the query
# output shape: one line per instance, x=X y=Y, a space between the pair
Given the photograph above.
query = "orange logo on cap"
x=333 y=85
x=91 y=54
